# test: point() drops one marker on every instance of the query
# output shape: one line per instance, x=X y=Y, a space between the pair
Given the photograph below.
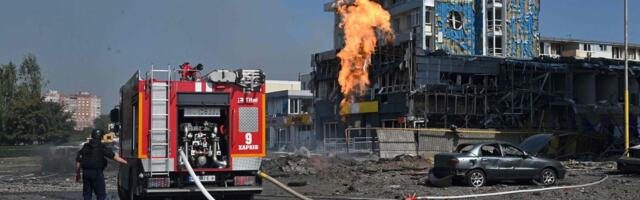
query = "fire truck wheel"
x=239 y=197
x=122 y=193
x=132 y=191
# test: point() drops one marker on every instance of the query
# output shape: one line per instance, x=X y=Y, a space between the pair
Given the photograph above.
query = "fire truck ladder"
x=159 y=162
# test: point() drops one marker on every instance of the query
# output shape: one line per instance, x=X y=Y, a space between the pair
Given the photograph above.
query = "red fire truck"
x=217 y=120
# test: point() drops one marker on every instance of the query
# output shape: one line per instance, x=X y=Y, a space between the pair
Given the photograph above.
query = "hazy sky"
x=97 y=45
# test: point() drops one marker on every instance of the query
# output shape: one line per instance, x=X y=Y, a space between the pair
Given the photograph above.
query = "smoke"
x=362 y=21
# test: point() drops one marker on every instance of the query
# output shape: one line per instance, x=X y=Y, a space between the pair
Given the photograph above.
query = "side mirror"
x=525 y=156
x=114 y=115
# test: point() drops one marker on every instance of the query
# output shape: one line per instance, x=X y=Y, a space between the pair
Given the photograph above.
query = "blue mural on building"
x=456 y=41
x=520 y=19
x=522 y=32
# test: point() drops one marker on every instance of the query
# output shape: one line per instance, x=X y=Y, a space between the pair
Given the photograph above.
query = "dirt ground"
x=334 y=177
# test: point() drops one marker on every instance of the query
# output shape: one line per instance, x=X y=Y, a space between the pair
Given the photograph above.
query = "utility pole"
x=626 y=81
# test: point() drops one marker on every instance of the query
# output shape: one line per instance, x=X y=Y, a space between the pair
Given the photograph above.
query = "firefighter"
x=91 y=160
x=187 y=72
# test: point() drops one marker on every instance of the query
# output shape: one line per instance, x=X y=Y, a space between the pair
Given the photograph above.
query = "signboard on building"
x=302 y=119
x=360 y=107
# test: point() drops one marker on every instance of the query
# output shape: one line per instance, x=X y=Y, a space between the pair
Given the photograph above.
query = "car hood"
x=534 y=144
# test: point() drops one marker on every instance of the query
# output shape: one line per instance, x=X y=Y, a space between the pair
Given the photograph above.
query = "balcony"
x=428 y=29
x=494 y=30
x=495 y=51
x=494 y=3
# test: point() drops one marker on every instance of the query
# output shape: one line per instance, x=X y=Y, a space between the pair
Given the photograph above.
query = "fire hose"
x=515 y=191
x=282 y=186
x=300 y=196
x=263 y=175
x=185 y=161
x=458 y=197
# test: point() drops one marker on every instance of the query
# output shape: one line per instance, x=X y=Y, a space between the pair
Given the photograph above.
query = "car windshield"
x=464 y=148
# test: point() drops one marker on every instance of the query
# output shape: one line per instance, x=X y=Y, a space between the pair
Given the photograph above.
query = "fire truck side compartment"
x=203 y=99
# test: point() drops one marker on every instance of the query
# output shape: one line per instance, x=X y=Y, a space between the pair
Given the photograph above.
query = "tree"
x=30 y=77
x=102 y=122
x=8 y=78
x=24 y=116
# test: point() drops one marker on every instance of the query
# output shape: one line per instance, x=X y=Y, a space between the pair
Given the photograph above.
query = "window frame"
x=586 y=47
x=504 y=152
x=495 y=146
x=455 y=18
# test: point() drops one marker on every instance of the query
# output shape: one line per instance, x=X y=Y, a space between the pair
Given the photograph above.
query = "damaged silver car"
x=630 y=163
x=477 y=163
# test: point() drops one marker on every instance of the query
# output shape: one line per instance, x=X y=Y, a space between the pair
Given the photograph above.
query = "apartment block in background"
x=83 y=106
x=580 y=49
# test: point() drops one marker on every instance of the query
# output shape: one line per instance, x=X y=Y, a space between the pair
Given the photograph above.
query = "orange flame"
x=362 y=21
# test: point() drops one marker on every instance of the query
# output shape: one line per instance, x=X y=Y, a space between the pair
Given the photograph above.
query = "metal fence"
x=355 y=145
x=390 y=142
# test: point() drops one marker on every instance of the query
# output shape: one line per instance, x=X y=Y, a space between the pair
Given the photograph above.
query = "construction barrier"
x=391 y=142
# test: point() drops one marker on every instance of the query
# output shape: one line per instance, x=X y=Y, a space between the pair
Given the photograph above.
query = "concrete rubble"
x=339 y=175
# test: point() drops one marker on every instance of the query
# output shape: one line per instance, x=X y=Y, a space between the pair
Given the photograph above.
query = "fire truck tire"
x=239 y=197
x=122 y=193
x=132 y=192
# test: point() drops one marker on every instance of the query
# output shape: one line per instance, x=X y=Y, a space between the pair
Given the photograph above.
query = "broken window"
x=603 y=47
x=390 y=123
x=511 y=151
x=558 y=49
x=427 y=17
x=490 y=150
x=396 y=25
x=455 y=20
x=617 y=53
x=415 y=19
x=464 y=148
x=294 y=106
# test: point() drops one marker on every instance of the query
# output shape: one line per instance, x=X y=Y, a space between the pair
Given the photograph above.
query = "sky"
x=96 y=46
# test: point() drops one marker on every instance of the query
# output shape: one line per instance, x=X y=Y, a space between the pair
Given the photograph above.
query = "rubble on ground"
x=341 y=175
x=588 y=165
x=363 y=176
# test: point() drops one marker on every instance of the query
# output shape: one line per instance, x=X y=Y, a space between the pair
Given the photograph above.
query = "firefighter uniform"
x=92 y=159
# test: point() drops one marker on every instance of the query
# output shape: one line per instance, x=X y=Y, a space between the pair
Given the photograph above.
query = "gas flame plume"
x=362 y=21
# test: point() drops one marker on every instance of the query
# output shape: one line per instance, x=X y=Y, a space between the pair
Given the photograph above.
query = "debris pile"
x=295 y=165
x=588 y=165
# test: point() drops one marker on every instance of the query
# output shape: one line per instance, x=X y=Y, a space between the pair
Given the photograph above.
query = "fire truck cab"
x=217 y=120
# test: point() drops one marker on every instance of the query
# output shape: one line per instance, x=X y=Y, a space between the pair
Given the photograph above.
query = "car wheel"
x=548 y=177
x=476 y=178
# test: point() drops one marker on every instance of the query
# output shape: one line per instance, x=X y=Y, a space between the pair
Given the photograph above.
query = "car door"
x=511 y=161
x=523 y=165
x=490 y=156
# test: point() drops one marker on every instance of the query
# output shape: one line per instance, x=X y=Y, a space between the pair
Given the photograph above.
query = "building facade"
x=507 y=28
x=83 y=106
x=483 y=73
x=280 y=85
x=289 y=118
x=581 y=49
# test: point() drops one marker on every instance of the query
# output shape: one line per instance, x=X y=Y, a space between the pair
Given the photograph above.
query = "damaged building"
x=477 y=64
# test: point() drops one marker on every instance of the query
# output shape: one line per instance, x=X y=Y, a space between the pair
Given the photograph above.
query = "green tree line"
x=25 y=118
